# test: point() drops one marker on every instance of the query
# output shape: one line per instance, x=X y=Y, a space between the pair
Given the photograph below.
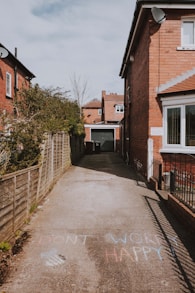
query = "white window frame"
x=100 y=111
x=176 y=102
x=8 y=85
x=118 y=108
x=185 y=46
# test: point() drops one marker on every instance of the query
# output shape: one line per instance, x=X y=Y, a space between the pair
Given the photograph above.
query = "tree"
x=49 y=108
x=39 y=111
x=79 y=88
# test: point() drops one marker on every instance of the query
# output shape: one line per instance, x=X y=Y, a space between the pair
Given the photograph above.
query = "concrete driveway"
x=101 y=230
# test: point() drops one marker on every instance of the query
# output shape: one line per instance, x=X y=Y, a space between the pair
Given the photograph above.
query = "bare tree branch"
x=79 y=88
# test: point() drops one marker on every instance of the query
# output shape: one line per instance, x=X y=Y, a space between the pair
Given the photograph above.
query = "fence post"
x=14 y=204
x=51 y=179
x=40 y=170
x=28 y=193
x=172 y=181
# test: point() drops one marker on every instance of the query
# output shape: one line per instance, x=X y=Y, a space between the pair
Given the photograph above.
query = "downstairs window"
x=179 y=124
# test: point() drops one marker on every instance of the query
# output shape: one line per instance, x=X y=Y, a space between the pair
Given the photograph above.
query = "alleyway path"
x=101 y=230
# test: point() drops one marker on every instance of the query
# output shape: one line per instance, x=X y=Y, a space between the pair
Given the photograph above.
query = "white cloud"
x=57 y=38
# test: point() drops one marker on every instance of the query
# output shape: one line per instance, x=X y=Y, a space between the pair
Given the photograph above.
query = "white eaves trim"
x=175 y=80
x=178 y=100
x=169 y=6
x=102 y=126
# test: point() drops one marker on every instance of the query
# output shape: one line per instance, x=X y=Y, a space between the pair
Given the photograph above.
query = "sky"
x=59 y=39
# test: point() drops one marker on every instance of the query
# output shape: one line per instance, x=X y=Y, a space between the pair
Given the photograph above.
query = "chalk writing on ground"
x=133 y=246
x=134 y=254
x=52 y=258
x=136 y=238
x=72 y=239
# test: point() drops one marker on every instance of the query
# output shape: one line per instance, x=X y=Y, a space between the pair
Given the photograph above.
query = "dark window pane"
x=190 y=125
x=173 y=126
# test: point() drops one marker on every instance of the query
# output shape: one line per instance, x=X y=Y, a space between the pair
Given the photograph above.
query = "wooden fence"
x=22 y=190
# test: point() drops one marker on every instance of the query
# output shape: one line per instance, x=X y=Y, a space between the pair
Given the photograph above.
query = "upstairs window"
x=119 y=108
x=100 y=112
x=8 y=85
x=188 y=33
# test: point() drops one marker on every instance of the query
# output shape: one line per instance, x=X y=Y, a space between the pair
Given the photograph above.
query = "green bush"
x=38 y=112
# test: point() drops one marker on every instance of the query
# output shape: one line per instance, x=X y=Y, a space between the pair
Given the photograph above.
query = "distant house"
x=102 y=121
x=92 y=112
x=158 y=69
x=13 y=76
x=113 y=107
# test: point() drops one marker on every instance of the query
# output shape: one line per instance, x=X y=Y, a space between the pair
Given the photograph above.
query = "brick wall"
x=6 y=103
x=166 y=63
x=156 y=61
x=91 y=115
x=87 y=134
x=109 y=106
x=139 y=103
x=182 y=162
x=118 y=142
x=171 y=61
x=183 y=214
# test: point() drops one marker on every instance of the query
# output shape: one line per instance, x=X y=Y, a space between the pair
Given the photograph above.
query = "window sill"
x=190 y=150
x=8 y=97
x=186 y=48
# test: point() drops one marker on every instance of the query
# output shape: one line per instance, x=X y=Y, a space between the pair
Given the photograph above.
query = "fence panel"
x=15 y=199
x=6 y=206
x=20 y=190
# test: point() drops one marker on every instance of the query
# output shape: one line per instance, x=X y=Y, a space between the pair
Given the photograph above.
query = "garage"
x=105 y=137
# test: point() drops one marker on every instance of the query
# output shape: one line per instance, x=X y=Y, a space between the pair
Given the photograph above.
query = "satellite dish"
x=158 y=15
x=3 y=52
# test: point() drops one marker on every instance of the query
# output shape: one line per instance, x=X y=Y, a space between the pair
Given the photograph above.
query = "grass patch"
x=33 y=208
x=5 y=246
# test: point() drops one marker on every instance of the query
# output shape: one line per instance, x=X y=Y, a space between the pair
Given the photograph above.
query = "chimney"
x=103 y=94
x=16 y=52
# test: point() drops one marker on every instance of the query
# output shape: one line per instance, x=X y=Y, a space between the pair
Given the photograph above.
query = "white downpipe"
x=150 y=158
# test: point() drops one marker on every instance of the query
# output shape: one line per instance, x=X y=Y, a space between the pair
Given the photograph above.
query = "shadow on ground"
x=177 y=241
x=111 y=163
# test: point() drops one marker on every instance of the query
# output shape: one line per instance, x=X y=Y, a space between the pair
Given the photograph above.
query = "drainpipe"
x=150 y=162
x=15 y=76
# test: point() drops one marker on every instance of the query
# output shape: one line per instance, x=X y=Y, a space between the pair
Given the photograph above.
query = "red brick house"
x=158 y=69
x=13 y=76
x=92 y=112
x=102 y=119
x=113 y=107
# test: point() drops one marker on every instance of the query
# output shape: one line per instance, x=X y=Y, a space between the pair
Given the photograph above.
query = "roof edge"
x=176 y=80
x=140 y=5
x=18 y=62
